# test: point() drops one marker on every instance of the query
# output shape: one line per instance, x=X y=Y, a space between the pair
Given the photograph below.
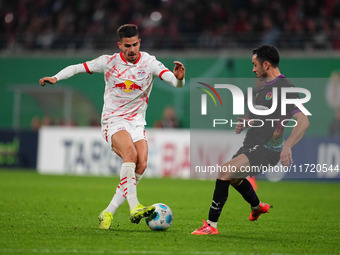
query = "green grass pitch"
x=43 y=214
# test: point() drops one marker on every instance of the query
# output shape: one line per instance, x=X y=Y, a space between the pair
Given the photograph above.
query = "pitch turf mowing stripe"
x=45 y=214
x=76 y=251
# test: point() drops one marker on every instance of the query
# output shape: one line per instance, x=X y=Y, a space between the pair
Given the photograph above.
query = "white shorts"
x=137 y=132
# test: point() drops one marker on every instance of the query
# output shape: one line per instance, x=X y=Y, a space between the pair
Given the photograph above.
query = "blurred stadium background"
x=213 y=39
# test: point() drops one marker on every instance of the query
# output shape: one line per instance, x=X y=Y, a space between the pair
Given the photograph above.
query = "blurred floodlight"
x=155 y=16
x=8 y=18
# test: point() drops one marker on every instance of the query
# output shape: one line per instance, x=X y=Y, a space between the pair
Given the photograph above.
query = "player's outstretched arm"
x=64 y=74
x=297 y=133
x=179 y=70
x=51 y=80
x=176 y=78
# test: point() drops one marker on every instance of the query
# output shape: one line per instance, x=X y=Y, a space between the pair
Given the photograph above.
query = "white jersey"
x=127 y=85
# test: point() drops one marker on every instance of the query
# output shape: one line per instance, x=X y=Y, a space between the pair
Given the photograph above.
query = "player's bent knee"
x=140 y=168
x=227 y=172
x=142 y=165
x=235 y=182
x=129 y=154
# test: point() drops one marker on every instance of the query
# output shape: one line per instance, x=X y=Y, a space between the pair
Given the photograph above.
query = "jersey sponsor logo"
x=269 y=96
x=128 y=86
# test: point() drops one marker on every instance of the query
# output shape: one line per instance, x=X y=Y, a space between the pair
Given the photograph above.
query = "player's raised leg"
x=123 y=145
x=119 y=198
x=244 y=187
x=141 y=211
x=106 y=216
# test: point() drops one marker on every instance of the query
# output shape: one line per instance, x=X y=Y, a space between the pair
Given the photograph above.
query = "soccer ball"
x=161 y=219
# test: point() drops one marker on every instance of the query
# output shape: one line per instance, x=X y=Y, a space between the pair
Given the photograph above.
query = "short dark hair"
x=127 y=31
x=267 y=53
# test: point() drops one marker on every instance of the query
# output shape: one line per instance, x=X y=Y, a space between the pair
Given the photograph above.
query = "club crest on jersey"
x=128 y=86
x=140 y=73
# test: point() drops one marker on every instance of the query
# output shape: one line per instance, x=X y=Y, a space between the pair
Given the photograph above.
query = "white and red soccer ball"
x=161 y=219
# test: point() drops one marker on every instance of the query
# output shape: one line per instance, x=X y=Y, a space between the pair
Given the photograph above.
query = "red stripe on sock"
x=123 y=179
x=125 y=189
x=123 y=183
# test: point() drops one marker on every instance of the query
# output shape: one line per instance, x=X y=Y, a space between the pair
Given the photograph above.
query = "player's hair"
x=127 y=31
x=267 y=53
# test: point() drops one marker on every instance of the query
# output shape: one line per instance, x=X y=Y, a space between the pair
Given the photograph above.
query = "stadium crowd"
x=170 y=24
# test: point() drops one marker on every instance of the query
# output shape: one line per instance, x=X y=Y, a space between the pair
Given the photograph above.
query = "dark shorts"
x=260 y=156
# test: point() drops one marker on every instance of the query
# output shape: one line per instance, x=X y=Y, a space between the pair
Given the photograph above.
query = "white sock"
x=128 y=183
x=119 y=198
x=138 y=177
x=211 y=223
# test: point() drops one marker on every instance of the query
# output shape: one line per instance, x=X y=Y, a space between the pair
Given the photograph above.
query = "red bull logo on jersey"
x=128 y=86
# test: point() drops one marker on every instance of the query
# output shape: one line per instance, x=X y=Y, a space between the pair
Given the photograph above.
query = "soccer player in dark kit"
x=263 y=144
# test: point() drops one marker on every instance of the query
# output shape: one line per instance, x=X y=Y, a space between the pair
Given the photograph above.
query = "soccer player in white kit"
x=128 y=76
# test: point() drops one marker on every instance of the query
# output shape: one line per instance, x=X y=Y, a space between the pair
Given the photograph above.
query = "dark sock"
x=248 y=193
x=219 y=199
